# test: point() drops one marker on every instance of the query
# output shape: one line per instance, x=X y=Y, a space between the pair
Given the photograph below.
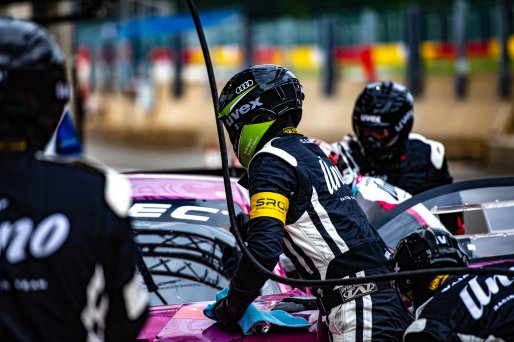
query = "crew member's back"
x=67 y=255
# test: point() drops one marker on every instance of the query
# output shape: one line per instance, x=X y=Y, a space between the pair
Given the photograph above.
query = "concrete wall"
x=467 y=127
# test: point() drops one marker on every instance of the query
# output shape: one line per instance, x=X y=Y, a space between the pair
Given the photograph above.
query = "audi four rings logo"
x=244 y=86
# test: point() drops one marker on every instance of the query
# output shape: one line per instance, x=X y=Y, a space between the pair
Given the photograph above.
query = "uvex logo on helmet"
x=370 y=118
x=247 y=107
x=441 y=240
x=242 y=87
x=404 y=120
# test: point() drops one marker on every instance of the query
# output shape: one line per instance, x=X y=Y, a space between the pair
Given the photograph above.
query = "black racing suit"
x=423 y=166
x=67 y=255
x=300 y=206
x=468 y=308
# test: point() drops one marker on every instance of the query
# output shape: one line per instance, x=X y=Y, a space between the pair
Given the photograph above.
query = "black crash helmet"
x=382 y=120
x=427 y=248
x=253 y=100
x=33 y=84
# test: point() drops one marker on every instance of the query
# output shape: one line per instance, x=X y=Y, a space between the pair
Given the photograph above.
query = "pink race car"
x=188 y=253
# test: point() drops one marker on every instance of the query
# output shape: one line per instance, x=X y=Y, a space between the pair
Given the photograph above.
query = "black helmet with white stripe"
x=33 y=84
x=383 y=119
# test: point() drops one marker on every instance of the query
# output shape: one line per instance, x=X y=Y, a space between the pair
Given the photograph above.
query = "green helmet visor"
x=250 y=137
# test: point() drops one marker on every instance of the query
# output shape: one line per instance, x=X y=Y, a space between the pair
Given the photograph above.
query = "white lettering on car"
x=183 y=213
x=148 y=209
x=160 y=210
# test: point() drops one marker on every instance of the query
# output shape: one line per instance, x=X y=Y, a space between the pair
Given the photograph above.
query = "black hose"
x=237 y=232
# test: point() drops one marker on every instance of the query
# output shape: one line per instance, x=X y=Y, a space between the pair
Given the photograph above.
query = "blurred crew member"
x=300 y=206
x=67 y=257
x=453 y=308
x=384 y=147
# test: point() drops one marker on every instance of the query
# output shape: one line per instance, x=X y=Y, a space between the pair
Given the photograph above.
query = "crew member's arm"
x=271 y=184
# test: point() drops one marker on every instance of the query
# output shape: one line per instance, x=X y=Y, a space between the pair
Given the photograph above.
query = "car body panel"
x=196 y=204
x=187 y=323
x=175 y=186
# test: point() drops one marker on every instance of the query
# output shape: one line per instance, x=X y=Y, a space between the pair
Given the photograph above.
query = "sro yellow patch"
x=290 y=130
x=269 y=204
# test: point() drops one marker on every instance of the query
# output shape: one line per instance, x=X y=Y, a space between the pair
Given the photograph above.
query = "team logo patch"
x=350 y=292
x=269 y=204
x=244 y=109
x=403 y=121
x=245 y=85
x=290 y=130
x=371 y=118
